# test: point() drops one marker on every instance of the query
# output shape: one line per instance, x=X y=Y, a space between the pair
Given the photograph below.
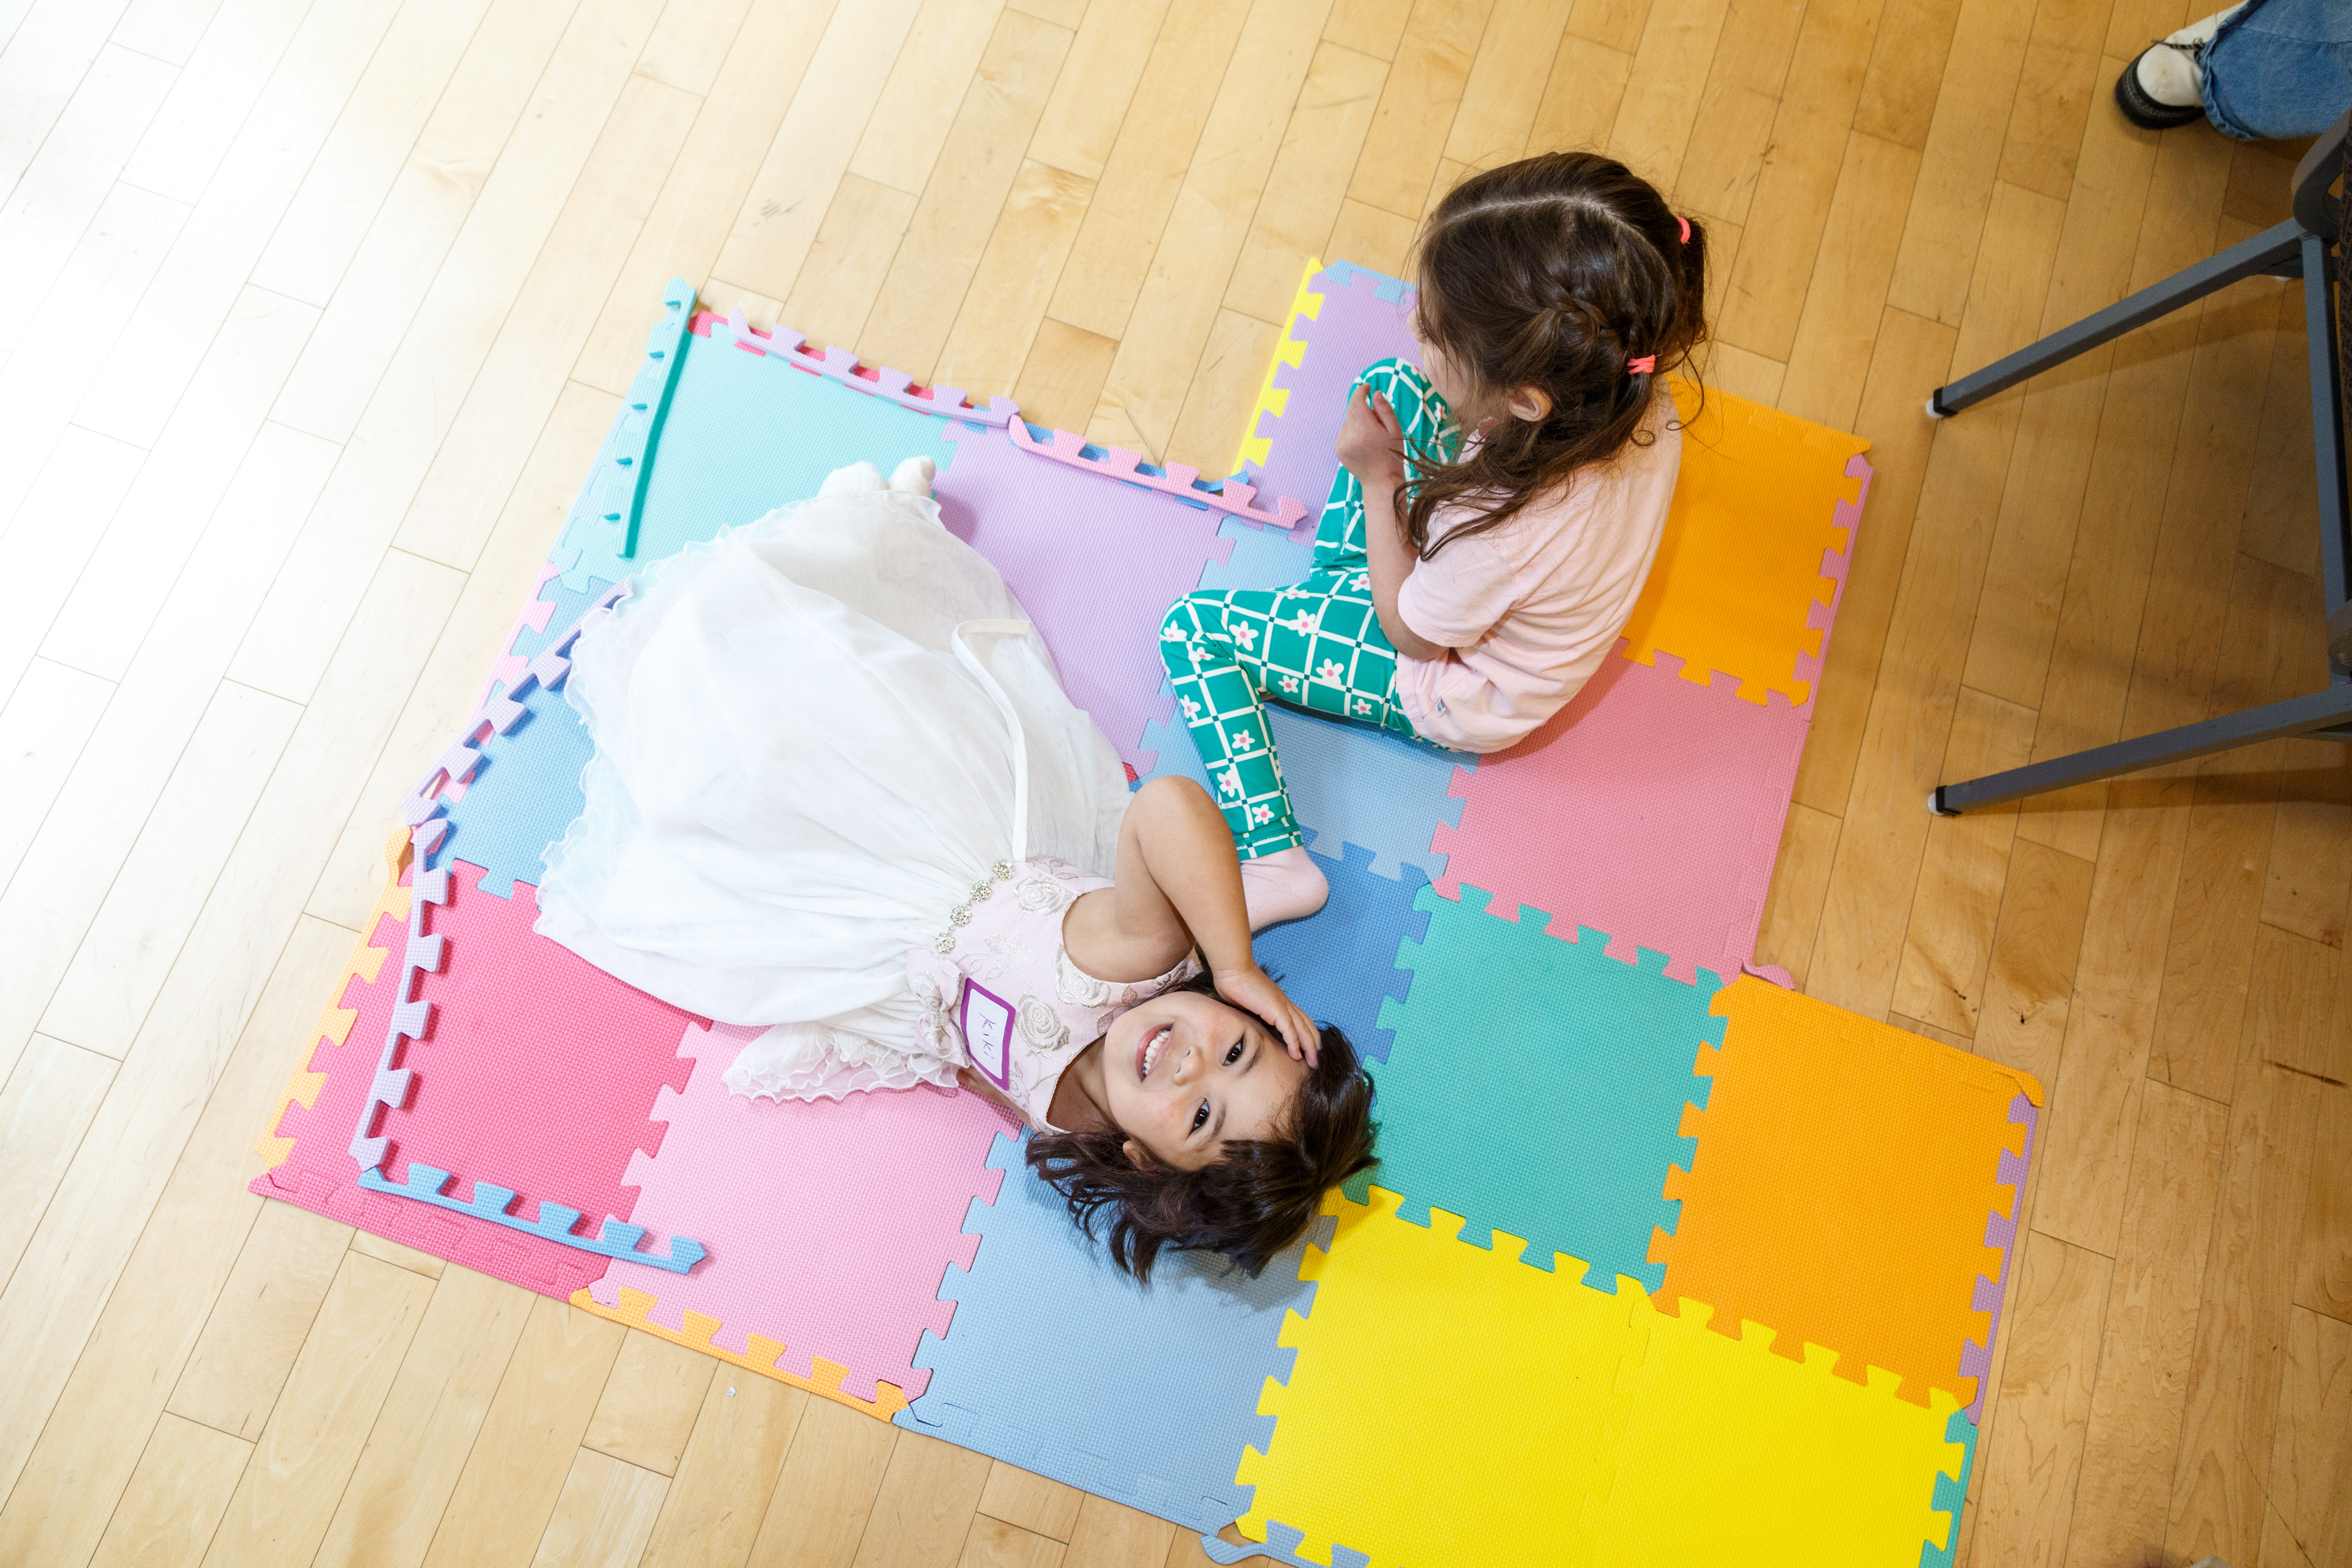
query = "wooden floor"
x=312 y=313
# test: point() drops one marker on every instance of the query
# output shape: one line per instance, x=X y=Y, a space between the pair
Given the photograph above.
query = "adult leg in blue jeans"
x=2263 y=69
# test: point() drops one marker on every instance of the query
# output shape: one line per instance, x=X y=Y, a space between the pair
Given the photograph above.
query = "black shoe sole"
x=2145 y=112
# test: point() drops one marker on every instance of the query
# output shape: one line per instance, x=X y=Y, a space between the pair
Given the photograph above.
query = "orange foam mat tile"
x=1852 y=1185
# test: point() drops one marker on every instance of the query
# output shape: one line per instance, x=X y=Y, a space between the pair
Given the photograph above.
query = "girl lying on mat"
x=1520 y=488
x=838 y=790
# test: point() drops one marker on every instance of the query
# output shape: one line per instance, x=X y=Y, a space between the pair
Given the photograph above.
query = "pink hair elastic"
x=1686 y=223
x=1643 y=366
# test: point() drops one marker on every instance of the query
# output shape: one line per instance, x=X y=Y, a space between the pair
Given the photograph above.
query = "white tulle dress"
x=806 y=740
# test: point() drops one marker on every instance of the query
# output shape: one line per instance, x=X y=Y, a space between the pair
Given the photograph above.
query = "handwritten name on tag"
x=987 y=1022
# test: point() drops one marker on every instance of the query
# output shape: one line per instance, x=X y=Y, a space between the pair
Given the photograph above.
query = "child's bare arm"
x=1179 y=886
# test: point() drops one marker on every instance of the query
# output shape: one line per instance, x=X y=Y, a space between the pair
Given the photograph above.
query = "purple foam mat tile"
x=1365 y=317
x=1095 y=562
x=1235 y=497
x=2000 y=1231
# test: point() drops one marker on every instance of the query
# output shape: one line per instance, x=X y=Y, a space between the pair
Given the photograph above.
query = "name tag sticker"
x=987 y=1022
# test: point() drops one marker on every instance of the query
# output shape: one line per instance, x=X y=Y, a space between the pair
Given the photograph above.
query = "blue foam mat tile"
x=1340 y=964
x=1262 y=557
x=1536 y=1088
x=1949 y=1494
x=1282 y=1544
x=1152 y=1393
x=745 y=433
x=523 y=793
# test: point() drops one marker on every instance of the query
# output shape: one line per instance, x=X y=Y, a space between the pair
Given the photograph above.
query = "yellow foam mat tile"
x=335 y=1020
x=760 y=1354
x=1739 y=568
x=1451 y=1405
x=1304 y=304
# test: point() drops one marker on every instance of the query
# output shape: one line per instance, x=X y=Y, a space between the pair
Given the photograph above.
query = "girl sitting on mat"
x=1492 y=520
x=837 y=789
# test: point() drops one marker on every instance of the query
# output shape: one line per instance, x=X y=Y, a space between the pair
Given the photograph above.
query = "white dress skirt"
x=801 y=770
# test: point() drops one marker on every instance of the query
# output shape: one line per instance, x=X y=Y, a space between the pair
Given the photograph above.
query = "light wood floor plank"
x=603 y=1515
x=62 y=189
x=1737 y=108
x=1371 y=236
x=63 y=880
x=2310 y=875
x=379 y=294
x=454 y=334
x=2323 y=1267
x=304 y=1457
x=166 y=336
x=836 y=287
x=1418 y=103
x=45 y=1105
x=1907 y=71
x=425 y=1430
x=1303 y=191
x=175 y=1499
x=1063 y=375
x=1108 y=57
x=2150 y=1331
x=43 y=727
x=650 y=1402
x=1034 y=1503
x=215 y=90
x=691 y=48
x=41 y=66
x=776 y=202
x=1507 y=82
x=2030 y=980
x=1581 y=96
x=260 y=1320
x=1801 y=880
x=992 y=1543
x=927 y=82
x=925 y=1507
x=362 y=158
x=53 y=533
x=706 y=190
x=1904 y=742
x=1174 y=309
x=2055 y=86
x=452 y=686
x=1218 y=404
x=1145 y=175
x=1960 y=164
x=507 y=1491
x=1370 y=27
x=459 y=502
x=949 y=226
x=1018 y=269
x=90 y=1435
x=1949 y=945
x=167 y=30
x=1109 y=1535
x=2031 y=1458
x=125 y=1162
x=825 y=1493
x=1675 y=47
x=1845 y=302
x=2311 y=1465
x=719 y=1498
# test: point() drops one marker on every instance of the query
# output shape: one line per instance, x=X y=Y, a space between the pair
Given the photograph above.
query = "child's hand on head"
x=1371 y=442
x=1254 y=991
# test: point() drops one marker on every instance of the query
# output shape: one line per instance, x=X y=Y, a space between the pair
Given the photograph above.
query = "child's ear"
x=1532 y=404
x=1136 y=1155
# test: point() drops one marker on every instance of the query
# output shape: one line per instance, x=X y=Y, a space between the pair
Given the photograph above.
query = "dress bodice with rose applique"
x=1000 y=971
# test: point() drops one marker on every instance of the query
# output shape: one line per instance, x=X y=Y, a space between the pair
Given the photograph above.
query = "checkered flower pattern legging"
x=1315 y=644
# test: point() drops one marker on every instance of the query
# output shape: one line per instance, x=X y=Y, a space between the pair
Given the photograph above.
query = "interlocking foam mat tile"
x=1449 y=1404
x=1171 y=1374
x=1646 y=1129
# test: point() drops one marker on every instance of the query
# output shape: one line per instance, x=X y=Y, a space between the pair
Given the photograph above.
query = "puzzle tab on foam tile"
x=828 y=1225
x=1839 y=1187
x=1340 y=964
x=1753 y=560
x=1538 y=1085
x=1060 y=1363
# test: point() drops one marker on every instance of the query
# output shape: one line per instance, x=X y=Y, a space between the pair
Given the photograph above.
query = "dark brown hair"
x=1551 y=272
x=1259 y=1196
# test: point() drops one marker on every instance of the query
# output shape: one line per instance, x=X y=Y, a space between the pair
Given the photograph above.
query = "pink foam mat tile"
x=829 y=1227
x=1649 y=807
x=536 y=1072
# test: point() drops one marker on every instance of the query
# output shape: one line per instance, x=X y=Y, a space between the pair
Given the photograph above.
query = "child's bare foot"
x=1283 y=886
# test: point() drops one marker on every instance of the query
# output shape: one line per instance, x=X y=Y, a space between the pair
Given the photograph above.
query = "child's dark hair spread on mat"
x=1494 y=515
x=837 y=790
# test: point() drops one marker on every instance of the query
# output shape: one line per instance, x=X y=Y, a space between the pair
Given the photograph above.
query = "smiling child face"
x=1184 y=1074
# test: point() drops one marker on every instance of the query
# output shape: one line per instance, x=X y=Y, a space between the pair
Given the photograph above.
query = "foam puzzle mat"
x=1663 y=1263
